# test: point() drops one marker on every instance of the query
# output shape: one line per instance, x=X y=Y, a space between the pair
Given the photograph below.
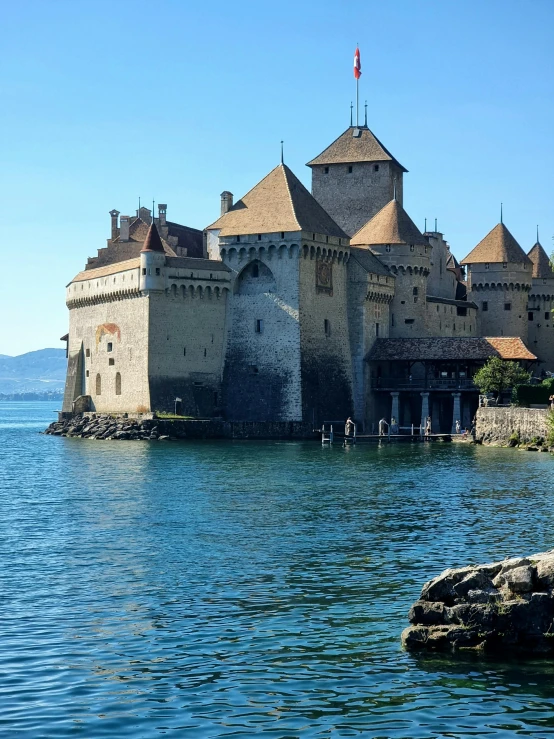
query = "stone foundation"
x=505 y=607
x=510 y=426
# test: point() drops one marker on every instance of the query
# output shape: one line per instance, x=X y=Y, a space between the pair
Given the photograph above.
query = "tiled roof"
x=189 y=238
x=348 y=149
x=152 y=241
x=280 y=202
x=498 y=246
x=541 y=262
x=449 y=349
x=191 y=263
x=391 y=225
x=369 y=261
x=109 y=269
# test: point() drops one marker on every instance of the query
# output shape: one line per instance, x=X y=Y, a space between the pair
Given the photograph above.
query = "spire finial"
x=365 y=114
x=351 y=114
x=501 y=221
x=282 y=154
x=436 y=226
x=425 y=229
x=538 y=242
x=394 y=188
x=153 y=211
x=139 y=207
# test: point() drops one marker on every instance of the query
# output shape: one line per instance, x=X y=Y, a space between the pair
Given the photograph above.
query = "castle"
x=299 y=306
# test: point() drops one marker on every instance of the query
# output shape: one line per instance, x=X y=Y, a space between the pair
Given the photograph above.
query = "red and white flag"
x=357 y=64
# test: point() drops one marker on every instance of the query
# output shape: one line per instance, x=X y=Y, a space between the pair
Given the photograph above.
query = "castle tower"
x=499 y=275
x=395 y=239
x=355 y=177
x=288 y=352
x=152 y=261
x=540 y=305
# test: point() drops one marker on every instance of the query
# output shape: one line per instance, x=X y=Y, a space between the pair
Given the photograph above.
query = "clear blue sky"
x=103 y=102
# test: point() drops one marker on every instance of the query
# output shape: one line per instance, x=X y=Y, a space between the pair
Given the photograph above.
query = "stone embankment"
x=512 y=426
x=105 y=426
x=503 y=606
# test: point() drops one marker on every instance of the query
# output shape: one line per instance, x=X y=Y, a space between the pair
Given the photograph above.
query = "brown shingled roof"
x=447 y=348
x=348 y=149
x=108 y=269
x=153 y=241
x=541 y=262
x=391 y=225
x=280 y=202
x=498 y=246
x=370 y=262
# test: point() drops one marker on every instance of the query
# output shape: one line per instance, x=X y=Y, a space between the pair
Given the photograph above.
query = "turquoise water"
x=236 y=589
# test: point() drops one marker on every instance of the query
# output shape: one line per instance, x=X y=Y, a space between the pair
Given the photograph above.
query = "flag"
x=357 y=64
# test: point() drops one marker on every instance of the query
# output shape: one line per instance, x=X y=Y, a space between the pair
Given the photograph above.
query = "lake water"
x=235 y=589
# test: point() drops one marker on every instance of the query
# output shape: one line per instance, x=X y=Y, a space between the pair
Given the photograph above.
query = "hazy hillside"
x=40 y=371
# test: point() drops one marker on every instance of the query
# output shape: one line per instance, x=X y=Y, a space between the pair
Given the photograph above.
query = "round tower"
x=395 y=239
x=499 y=276
x=152 y=262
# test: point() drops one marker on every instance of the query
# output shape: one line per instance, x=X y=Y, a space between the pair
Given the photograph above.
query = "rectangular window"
x=238 y=239
x=507 y=306
x=326 y=170
x=461 y=311
x=392 y=320
x=87 y=352
x=158 y=271
x=144 y=270
x=484 y=305
x=350 y=169
x=259 y=237
x=504 y=265
x=110 y=346
x=547 y=316
x=375 y=167
x=88 y=373
x=377 y=330
x=327 y=327
x=259 y=326
x=184 y=351
x=409 y=320
x=111 y=361
x=530 y=315
x=486 y=266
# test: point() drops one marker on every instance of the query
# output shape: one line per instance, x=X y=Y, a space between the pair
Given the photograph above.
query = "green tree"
x=498 y=375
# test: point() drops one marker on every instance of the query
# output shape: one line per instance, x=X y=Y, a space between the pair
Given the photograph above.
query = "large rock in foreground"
x=503 y=606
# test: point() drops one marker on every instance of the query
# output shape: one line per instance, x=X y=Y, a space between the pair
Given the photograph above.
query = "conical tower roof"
x=356 y=144
x=541 y=262
x=391 y=225
x=279 y=202
x=498 y=246
x=152 y=241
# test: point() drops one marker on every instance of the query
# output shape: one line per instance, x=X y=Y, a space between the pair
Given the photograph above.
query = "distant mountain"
x=40 y=371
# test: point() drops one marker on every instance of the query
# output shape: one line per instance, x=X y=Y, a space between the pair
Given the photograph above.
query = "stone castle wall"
x=541 y=325
x=442 y=319
x=353 y=197
x=496 y=288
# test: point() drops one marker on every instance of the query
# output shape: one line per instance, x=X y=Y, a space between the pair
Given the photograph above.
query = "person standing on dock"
x=382 y=427
x=428 y=426
x=458 y=427
x=393 y=426
x=349 y=427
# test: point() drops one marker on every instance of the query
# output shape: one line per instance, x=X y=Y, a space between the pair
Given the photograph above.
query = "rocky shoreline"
x=507 y=605
x=108 y=427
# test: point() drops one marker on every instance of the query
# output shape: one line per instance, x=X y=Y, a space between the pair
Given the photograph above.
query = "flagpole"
x=357 y=101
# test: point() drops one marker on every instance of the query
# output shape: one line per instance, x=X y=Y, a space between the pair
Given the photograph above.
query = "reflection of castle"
x=298 y=306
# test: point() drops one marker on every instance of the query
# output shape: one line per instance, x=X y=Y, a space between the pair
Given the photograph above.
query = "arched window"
x=98 y=385
x=118 y=383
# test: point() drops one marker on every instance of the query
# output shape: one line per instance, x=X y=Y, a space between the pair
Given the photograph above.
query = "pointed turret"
x=391 y=225
x=542 y=267
x=153 y=241
x=498 y=246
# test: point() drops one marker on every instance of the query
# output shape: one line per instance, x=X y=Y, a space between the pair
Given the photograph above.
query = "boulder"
x=489 y=607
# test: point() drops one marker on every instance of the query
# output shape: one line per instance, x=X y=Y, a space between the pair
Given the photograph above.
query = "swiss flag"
x=357 y=64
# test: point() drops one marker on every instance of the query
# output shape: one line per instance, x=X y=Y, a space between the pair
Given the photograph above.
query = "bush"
x=533 y=394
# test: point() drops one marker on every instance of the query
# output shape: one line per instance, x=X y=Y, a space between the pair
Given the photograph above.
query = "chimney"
x=124 y=228
x=226 y=201
x=162 y=213
x=115 y=229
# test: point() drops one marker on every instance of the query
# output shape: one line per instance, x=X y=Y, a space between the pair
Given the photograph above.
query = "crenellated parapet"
x=378 y=296
x=80 y=301
x=503 y=286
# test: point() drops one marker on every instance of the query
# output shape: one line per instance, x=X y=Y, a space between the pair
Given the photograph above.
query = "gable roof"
x=391 y=225
x=349 y=148
x=541 y=262
x=108 y=269
x=279 y=202
x=446 y=348
x=498 y=246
